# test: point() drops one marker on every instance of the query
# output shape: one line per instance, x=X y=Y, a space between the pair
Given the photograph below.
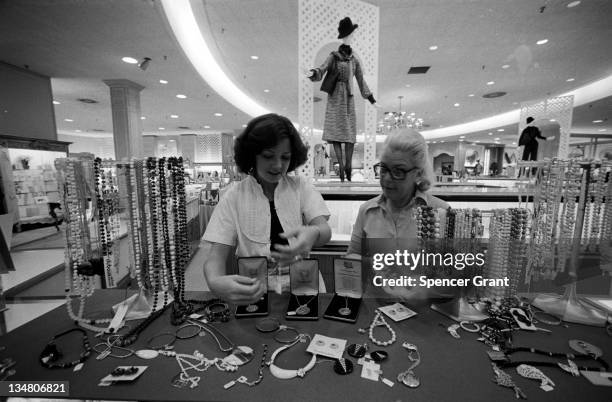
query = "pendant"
x=302 y=310
x=343 y=366
x=344 y=311
x=147 y=354
x=251 y=308
x=409 y=379
x=179 y=382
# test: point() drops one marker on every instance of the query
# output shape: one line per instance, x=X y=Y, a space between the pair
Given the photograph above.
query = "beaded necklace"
x=51 y=353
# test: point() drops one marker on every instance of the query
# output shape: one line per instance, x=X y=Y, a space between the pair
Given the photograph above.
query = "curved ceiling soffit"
x=182 y=20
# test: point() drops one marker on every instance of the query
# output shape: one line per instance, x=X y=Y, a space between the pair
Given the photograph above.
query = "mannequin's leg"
x=348 y=149
x=338 y=152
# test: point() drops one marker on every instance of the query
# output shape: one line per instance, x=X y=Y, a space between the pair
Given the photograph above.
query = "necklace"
x=345 y=310
x=51 y=352
x=285 y=374
x=302 y=309
x=377 y=322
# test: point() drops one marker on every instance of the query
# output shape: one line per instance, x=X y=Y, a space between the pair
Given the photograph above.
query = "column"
x=125 y=104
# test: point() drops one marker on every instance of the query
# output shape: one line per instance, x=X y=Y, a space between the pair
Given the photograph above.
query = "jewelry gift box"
x=304 y=287
x=254 y=267
x=348 y=289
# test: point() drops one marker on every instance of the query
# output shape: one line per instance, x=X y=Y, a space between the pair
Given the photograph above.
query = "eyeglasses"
x=396 y=173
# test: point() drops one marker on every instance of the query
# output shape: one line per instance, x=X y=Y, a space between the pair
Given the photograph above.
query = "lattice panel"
x=208 y=149
x=318 y=26
x=560 y=109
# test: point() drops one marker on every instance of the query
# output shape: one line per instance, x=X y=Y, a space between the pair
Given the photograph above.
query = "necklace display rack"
x=455 y=228
x=556 y=226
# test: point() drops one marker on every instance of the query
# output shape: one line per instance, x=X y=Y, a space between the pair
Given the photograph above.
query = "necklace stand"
x=568 y=306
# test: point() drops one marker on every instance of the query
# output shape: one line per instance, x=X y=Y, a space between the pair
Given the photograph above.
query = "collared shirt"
x=243 y=213
x=375 y=220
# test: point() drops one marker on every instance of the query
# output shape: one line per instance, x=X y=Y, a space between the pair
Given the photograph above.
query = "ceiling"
x=79 y=43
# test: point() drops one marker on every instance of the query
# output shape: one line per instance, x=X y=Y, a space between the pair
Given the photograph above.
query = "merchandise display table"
x=450 y=370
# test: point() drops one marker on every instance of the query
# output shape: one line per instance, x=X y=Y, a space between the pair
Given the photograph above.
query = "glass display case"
x=34 y=196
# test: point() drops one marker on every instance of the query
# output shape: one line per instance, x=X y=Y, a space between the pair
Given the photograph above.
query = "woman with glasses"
x=405 y=176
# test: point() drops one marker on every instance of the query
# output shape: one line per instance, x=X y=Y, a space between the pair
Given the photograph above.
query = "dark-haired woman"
x=268 y=213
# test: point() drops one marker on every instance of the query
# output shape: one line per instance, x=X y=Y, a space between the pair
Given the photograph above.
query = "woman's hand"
x=305 y=238
x=237 y=289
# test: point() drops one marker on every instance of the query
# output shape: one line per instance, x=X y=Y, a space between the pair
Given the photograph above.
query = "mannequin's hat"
x=529 y=119
x=346 y=27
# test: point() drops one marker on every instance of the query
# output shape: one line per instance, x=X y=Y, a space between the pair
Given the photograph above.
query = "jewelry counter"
x=449 y=369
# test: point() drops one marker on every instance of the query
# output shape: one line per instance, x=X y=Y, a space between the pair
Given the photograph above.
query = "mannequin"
x=340 y=125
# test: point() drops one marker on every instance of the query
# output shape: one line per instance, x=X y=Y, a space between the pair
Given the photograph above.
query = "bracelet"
x=188 y=334
x=285 y=374
x=166 y=346
x=547 y=318
x=217 y=311
x=464 y=326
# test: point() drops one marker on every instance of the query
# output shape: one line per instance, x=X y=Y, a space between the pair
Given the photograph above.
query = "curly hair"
x=263 y=132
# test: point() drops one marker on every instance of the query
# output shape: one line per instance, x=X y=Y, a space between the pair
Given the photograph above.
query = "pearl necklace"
x=379 y=321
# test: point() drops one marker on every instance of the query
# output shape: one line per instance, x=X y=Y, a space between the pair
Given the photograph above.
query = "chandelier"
x=399 y=119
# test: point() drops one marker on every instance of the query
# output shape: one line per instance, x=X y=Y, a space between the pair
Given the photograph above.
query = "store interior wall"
x=26 y=104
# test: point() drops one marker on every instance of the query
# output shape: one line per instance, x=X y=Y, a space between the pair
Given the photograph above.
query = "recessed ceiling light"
x=77 y=131
x=244 y=126
x=433 y=47
x=171 y=140
x=497 y=139
x=570 y=79
x=129 y=60
x=427 y=142
x=456 y=105
x=462 y=136
x=552 y=120
x=435 y=142
x=500 y=129
x=602 y=129
x=69 y=120
x=142 y=118
x=597 y=121
x=181 y=96
x=505 y=66
x=441 y=141
x=471 y=95
x=407 y=85
x=254 y=57
x=490 y=82
x=461 y=140
x=163 y=81
x=542 y=42
x=56 y=102
x=160 y=128
x=174 y=116
x=206 y=126
x=514 y=143
x=266 y=90
x=573 y=4
x=477 y=141
x=218 y=114
x=490 y=133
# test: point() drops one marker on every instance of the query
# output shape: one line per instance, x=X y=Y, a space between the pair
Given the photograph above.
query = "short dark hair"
x=265 y=132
